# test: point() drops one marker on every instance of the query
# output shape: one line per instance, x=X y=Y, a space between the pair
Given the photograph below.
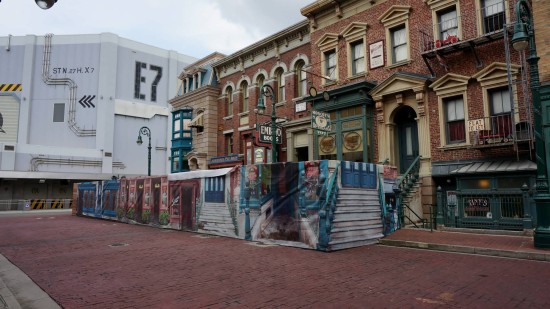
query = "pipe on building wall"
x=63 y=81
x=36 y=161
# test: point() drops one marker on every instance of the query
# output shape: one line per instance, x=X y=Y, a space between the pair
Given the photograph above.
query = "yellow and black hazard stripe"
x=10 y=87
x=57 y=204
x=38 y=204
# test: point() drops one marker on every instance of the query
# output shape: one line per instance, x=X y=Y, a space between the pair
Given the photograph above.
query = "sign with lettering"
x=320 y=121
x=476 y=125
x=225 y=159
x=265 y=135
x=376 y=52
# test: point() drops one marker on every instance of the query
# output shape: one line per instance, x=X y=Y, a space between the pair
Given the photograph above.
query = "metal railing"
x=35 y=204
x=498 y=129
x=464 y=27
x=326 y=213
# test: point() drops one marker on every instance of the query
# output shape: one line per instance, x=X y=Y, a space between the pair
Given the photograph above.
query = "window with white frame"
x=228 y=144
x=301 y=79
x=448 y=23
x=260 y=81
x=330 y=64
x=454 y=120
x=493 y=14
x=229 y=95
x=279 y=75
x=399 y=44
x=357 y=57
x=244 y=97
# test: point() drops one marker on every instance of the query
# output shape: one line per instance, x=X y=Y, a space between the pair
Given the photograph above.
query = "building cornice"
x=297 y=31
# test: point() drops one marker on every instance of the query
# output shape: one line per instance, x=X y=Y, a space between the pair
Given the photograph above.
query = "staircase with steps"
x=357 y=219
x=215 y=219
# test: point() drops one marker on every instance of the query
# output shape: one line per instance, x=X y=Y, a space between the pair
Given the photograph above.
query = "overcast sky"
x=192 y=27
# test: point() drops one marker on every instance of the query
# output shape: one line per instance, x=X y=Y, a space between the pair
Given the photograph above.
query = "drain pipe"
x=63 y=81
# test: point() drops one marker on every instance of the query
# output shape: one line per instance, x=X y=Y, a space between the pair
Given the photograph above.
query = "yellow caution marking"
x=10 y=87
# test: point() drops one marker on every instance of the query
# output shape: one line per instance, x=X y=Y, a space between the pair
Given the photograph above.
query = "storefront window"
x=482 y=183
x=512 y=182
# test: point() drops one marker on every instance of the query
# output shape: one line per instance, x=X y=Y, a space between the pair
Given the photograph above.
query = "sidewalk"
x=468 y=241
x=17 y=290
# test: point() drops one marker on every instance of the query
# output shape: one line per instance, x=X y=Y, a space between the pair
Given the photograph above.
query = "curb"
x=17 y=290
x=525 y=255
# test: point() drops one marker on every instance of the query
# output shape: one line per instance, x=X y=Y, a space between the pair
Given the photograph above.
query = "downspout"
x=63 y=81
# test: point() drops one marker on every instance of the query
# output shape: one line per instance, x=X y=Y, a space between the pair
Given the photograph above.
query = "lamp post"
x=147 y=132
x=45 y=4
x=268 y=91
x=524 y=36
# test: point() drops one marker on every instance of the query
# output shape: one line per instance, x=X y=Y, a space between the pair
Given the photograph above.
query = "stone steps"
x=356 y=220
x=215 y=219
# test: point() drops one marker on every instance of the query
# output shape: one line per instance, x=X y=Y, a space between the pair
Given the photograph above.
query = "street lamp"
x=268 y=91
x=45 y=4
x=147 y=132
x=524 y=36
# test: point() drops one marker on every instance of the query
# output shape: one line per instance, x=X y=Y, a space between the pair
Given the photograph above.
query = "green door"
x=408 y=145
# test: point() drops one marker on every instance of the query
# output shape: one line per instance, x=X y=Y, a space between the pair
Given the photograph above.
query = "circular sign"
x=326 y=96
x=312 y=91
x=327 y=144
x=352 y=141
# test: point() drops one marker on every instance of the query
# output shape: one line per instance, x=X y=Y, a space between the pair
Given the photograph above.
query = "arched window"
x=229 y=95
x=279 y=75
x=244 y=97
x=301 y=79
x=260 y=82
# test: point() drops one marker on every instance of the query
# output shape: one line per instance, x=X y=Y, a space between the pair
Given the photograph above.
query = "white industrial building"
x=71 y=108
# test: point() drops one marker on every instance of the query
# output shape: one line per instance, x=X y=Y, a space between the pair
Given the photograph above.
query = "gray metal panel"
x=496 y=167
x=11 y=71
x=80 y=63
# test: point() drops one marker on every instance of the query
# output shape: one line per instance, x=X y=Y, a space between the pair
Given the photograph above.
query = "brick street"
x=71 y=259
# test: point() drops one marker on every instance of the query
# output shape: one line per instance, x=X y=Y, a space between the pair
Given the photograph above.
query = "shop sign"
x=320 y=120
x=259 y=155
x=265 y=133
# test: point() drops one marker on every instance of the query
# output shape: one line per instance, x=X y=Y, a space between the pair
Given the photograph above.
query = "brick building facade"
x=451 y=98
x=279 y=61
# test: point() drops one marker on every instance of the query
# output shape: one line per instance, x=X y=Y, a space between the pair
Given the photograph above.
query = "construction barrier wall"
x=291 y=202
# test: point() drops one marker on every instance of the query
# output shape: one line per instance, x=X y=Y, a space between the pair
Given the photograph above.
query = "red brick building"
x=279 y=61
x=451 y=100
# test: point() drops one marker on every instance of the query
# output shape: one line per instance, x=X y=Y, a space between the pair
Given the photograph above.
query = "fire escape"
x=460 y=36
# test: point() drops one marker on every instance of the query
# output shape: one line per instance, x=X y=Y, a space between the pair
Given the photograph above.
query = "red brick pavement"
x=70 y=258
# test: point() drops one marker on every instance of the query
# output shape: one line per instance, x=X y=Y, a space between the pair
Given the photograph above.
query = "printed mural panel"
x=283 y=202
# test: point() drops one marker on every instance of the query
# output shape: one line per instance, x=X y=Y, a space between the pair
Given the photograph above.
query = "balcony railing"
x=498 y=130
x=481 y=26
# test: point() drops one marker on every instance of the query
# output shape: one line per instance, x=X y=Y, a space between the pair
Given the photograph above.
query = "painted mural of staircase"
x=357 y=219
x=215 y=219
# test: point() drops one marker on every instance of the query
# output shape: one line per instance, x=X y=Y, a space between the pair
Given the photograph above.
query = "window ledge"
x=280 y=104
x=398 y=64
x=228 y=117
x=356 y=76
x=244 y=114
x=453 y=147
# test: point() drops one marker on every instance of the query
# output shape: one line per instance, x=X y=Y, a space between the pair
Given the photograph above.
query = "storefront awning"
x=496 y=167
x=199 y=174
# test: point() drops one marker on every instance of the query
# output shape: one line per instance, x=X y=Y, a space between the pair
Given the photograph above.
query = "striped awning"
x=496 y=167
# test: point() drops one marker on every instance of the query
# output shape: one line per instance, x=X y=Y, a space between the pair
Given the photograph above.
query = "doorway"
x=407 y=137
